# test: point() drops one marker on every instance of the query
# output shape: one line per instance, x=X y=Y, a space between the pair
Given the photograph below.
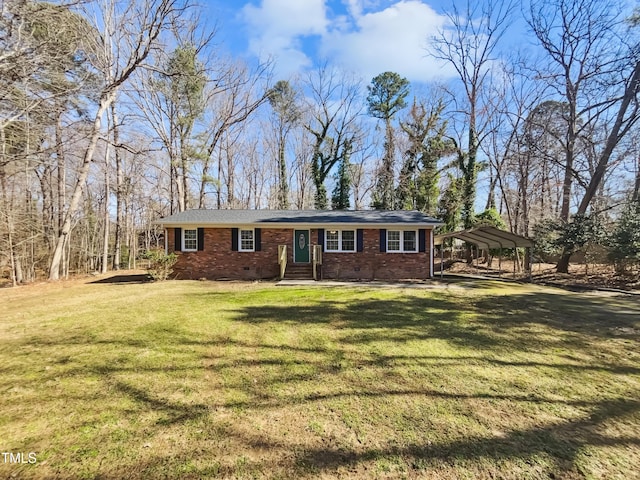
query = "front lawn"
x=235 y=380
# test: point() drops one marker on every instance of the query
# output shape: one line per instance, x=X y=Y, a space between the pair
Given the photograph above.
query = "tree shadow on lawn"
x=488 y=326
x=489 y=322
x=574 y=312
x=120 y=279
x=492 y=325
x=173 y=412
x=371 y=320
x=562 y=441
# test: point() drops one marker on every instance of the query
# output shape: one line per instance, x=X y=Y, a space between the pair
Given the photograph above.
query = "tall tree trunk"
x=570 y=152
x=203 y=183
x=230 y=178
x=567 y=184
x=470 y=176
x=179 y=186
x=619 y=129
x=48 y=213
x=117 y=250
x=320 y=197
x=387 y=168
x=105 y=238
x=218 y=190
x=283 y=189
x=491 y=196
x=636 y=189
x=6 y=209
x=185 y=181
x=56 y=261
x=172 y=180
x=545 y=190
x=62 y=186
x=61 y=172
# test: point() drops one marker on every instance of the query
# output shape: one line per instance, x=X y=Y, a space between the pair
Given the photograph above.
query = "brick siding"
x=372 y=264
x=218 y=261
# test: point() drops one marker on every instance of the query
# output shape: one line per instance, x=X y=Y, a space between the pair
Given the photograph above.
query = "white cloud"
x=354 y=7
x=362 y=40
x=276 y=27
x=393 y=39
x=357 y=7
x=288 y=16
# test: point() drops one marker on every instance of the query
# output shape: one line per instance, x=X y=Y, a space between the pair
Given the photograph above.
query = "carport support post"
x=515 y=258
x=500 y=261
x=477 y=260
x=442 y=259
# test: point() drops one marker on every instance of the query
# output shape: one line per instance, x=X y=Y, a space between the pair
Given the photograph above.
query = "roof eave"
x=319 y=224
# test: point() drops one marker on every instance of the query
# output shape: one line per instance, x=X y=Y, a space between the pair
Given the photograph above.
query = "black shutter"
x=178 y=240
x=360 y=240
x=200 y=239
x=234 y=239
x=383 y=239
x=321 y=238
x=422 y=240
x=258 y=239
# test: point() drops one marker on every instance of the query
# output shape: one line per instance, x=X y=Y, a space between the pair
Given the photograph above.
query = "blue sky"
x=365 y=37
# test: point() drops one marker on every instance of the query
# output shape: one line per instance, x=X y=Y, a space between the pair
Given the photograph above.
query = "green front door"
x=301 y=246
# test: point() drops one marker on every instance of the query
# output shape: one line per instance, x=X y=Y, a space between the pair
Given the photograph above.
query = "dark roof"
x=325 y=217
x=487 y=236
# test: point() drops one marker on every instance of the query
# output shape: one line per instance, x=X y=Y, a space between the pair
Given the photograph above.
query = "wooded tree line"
x=114 y=114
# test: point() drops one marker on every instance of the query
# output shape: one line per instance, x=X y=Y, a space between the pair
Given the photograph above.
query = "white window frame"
x=253 y=239
x=184 y=243
x=340 y=247
x=402 y=250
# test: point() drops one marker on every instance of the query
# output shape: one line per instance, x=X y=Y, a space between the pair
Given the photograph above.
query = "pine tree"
x=387 y=96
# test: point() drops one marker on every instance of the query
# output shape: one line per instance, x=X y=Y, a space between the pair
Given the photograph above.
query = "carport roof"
x=487 y=236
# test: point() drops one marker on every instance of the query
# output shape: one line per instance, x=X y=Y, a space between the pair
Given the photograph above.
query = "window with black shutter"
x=258 y=237
x=234 y=239
x=200 y=239
x=177 y=243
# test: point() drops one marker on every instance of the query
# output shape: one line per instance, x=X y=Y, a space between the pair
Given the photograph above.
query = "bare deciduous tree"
x=596 y=73
x=470 y=44
x=129 y=36
x=332 y=111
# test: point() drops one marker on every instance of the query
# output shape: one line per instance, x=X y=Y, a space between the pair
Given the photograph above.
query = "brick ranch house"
x=336 y=244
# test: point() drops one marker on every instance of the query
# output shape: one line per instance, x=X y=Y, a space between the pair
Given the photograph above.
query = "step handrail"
x=282 y=259
x=317 y=260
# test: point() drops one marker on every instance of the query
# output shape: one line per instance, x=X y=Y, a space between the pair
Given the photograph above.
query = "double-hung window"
x=189 y=240
x=409 y=241
x=340 y=241
x=247 y=240
x=403 y=241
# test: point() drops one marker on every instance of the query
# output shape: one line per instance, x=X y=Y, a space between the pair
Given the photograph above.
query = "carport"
x=488 y=237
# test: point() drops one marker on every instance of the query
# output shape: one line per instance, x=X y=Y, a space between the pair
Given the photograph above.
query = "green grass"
x=212 y=380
